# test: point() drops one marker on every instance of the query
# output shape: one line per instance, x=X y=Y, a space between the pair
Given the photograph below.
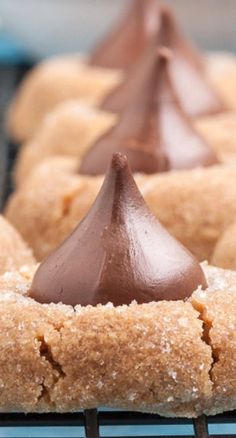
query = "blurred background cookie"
x=15 y=253
x=66 y=78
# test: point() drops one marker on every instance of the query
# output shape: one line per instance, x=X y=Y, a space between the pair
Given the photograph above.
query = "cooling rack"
x=90 y=420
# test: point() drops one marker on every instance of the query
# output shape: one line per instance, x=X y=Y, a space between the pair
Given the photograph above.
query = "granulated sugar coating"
x=156 y=357
x=218 y=311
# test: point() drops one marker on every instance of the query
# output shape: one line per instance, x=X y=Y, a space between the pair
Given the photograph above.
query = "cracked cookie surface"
x=151 y=357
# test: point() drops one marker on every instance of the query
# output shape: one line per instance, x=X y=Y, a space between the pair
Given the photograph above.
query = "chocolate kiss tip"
x=164 y=52
x=130 y=37
x=118 y=253
x=168 y=16
x=165 y=11
x=119 y=161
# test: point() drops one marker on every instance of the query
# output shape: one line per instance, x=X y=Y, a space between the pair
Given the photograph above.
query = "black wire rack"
x=90 y=420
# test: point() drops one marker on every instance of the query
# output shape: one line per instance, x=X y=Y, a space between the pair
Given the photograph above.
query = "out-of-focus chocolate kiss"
x=118 y=253
x=196 y=96
x=186 y=69
x=124 y=45
x=152 y=131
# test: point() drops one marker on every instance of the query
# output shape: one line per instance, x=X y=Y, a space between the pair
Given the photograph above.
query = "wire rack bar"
x=107 y=418
x=200 y=426
x=91 y=423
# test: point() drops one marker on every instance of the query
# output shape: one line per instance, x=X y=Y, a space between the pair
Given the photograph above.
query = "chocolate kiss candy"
x=125 y=44
x=152 y=131
x=118 y=253
x=186 y=70
x=196 y=96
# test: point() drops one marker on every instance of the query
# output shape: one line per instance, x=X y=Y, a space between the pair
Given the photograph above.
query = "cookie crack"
x=45 y=352
x=206 y=337
x=45 y=395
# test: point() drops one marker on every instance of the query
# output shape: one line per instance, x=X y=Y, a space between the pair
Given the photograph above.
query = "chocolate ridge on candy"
x=118 y=253
x=186 y=68
x=152 y=131
x=124 y=45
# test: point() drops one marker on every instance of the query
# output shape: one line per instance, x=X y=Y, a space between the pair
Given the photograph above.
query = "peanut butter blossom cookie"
x=75 y=77
x=152 y=130
x=119 y=315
